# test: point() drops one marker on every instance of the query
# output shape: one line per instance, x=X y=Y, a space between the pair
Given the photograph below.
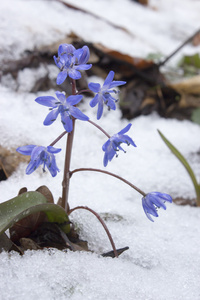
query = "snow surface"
x=163 y=261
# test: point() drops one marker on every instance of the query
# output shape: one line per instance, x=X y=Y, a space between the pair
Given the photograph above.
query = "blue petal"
x=52 y=167
x=111 y=154
x=108 y=148
x=32 y=166
x=67 y=121
x=95 y=87
x=165 y=197
x=77 y=55
x=149 y=207
x=99 y=110
x=47 y=101
x=53 y=150
x=76 y=113
x=125 y=129
x=83 y=67
x=26 y=150
x=110 y=103
x=61 y=77
x=61 y=97
x=94 y=101
x=74 y=74
x=74 y=99
x=117 y=83
x=66 y=49
x=60 y=50
x=106 y=145
x=108 y=79
x=147 y=213
x=85 y=55
x=126 y=139
x=51 y=117
x=35 y=155
x=57 y=62
x=156 y=201
x=105 y=160
x=116 y=144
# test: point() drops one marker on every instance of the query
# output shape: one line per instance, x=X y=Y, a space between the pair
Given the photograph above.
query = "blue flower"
x=70 y=61
x=113 y=144
x=63 y=106
x=103 y=95
x=152 y=201
x=40 y=155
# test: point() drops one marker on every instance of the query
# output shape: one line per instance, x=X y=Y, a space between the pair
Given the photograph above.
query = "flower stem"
x=99 y=127
x=66 y=175
x=101 y=221
x=58 y=138
x=111 y=174
x=83 y=91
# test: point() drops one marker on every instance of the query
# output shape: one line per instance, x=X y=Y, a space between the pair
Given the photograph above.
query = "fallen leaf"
x=24 y=227
x=10 y=160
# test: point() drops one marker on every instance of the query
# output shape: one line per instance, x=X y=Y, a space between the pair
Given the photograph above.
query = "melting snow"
x=163 y=261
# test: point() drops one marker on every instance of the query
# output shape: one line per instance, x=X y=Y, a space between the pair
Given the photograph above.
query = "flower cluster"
x=103 y=94
x=40 y=155
x=63 y=106
x=113 y=144
x=71 y=61
x=152 y=201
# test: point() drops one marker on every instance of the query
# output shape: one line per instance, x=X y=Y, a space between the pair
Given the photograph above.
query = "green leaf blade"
x=185 y=164
x=28 y=203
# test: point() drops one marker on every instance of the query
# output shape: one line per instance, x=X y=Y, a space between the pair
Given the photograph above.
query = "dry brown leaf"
x=116 y=55
x=28 y=244
x=188 y=86
x=27 y=225
x=10 y=160
x=45 y=191
x=196 y=40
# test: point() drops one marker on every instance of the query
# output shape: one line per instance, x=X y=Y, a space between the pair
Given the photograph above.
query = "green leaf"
x=28 y=203
x=191 y=60
x=190 y=64
x=185 y=164
x=196 y=116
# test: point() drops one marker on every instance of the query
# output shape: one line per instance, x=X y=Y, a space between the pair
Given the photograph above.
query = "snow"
x=163 y=261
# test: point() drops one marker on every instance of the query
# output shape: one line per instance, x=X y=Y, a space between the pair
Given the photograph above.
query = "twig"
x=179 y=48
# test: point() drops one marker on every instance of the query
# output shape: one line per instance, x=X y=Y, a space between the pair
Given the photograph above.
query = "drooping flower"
x=70 y=60
x=113 y=144
x=103 y=94
x=152 y=201
x=40 y=155
x=63 y=106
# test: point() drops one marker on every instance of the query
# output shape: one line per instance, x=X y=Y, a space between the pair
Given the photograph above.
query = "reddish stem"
x=99 y=127
x=83 y=91
x=101 y=221
x=58 y=138
x=68 y=153
x=111 y=174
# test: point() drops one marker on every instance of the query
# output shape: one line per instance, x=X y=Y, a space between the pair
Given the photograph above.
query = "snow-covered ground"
x=163 y=261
